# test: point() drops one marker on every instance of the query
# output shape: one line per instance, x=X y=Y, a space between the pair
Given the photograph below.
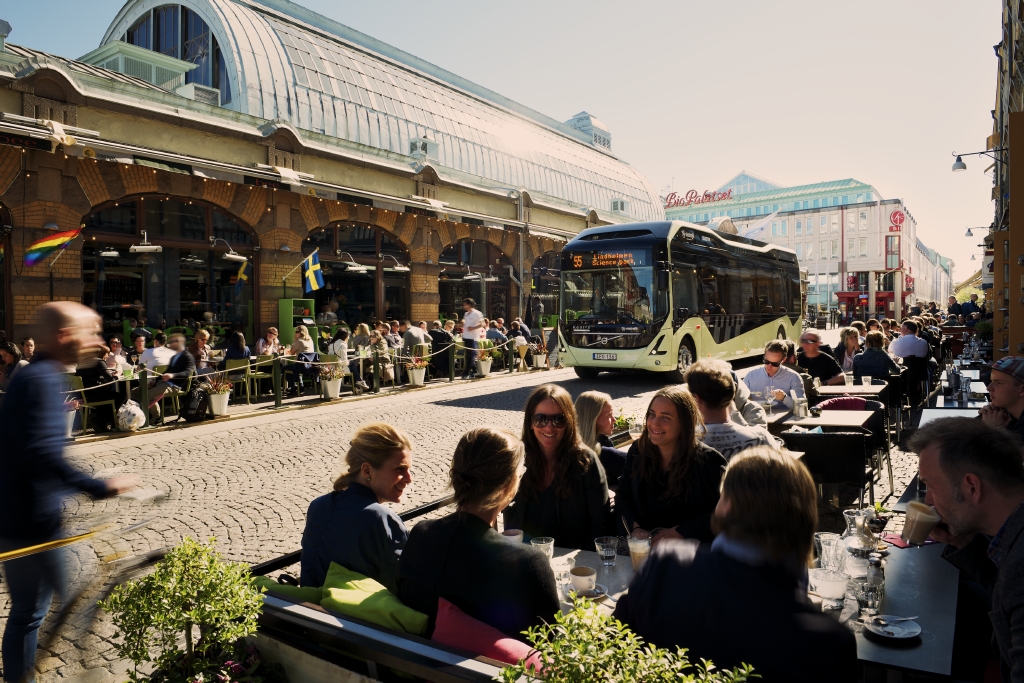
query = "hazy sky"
x=798 y=91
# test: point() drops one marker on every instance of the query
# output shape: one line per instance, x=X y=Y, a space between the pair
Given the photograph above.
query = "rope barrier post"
x=277 y=382
x=451 y=362
x=376 y=372
x=144 y=394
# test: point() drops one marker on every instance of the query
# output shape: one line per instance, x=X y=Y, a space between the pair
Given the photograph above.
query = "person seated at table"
x=862 y=330
x=711 y=383
x=849 y=347
x=303 y=343
x=516 y=330
x=755 y=571
x=28 y=348
x=975 y=479
x=10 y=362
x=351 y=525
x=950 y=321
x=440 y=340
x=413 y=336
x=792 y=363
x=495 y=335
x=98 y=380
x=564 y=493
x=973 y=319
x=887 y=329
x=269 y=344
x=909 y=344
x=236 y=349
x=361 y=337
x=817 y=364
x=158 y=354
x=1005 y=409
x=744 y=410
x=180 y=366
x=134 y=354
x=874 y=362
x=872 y=325
x=771 y=381
x=200 y=350
x=338 y=346
x=669 y=484
x=449 y=327
x=461 y=558
x=596 y=423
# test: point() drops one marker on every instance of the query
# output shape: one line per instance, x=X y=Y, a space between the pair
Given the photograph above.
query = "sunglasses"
x=542 y=420
x=809 y=341
x=772 y=363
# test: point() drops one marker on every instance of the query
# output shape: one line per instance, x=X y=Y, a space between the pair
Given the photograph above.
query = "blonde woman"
x=200 y=350
x=303 y=342
x=596 y=420
x=361 y=336
x=849 y=347
x=270 y=344
x=351 y=525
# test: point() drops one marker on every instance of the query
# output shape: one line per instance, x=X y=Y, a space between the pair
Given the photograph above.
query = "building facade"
x=215 y=131
x=861 y=252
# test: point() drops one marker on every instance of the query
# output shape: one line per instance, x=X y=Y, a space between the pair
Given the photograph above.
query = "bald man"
x=34 y=475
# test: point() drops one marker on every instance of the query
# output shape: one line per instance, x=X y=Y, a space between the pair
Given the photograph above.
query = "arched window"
x=185 y=285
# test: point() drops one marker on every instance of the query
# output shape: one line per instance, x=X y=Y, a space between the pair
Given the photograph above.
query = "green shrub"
x=194 y=597
x=587 y=645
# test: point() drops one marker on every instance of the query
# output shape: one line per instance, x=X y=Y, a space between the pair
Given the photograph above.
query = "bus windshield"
x=612 y=288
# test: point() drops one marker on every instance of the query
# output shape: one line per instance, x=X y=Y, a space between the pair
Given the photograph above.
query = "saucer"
x=900 y=630
x=599 y=593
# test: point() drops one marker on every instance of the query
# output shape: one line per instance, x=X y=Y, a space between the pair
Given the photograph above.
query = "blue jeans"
x=470 y=368
x=32 y=582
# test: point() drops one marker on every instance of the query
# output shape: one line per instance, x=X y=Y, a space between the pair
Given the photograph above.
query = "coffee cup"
x=513 y=535
x=919 y=522
x=584 y=579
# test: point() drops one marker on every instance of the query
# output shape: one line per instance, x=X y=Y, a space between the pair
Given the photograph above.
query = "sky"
x=796 y=91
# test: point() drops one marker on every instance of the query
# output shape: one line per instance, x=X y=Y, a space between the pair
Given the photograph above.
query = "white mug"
x=584 y=579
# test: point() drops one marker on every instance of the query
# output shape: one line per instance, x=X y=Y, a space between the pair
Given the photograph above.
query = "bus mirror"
x=682 y=314
x=662 y=280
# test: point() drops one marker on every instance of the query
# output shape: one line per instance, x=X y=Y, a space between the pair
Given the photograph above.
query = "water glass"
x=865 y=381
x=869 y=596
x=636 y=427
x=831 y=586
x=849 y=379
x=831 y=552
x=561 y=567
x=545 y=543
x=607 y=546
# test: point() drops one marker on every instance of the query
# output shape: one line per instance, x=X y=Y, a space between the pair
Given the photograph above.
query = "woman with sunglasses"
x=564 y=493
x=670 y=484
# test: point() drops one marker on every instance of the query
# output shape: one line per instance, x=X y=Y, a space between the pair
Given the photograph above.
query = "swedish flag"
x=243 y=277
x=312 y=278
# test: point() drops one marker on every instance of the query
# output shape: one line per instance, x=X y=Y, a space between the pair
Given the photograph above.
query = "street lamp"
x=968 y=233
x=959 y=164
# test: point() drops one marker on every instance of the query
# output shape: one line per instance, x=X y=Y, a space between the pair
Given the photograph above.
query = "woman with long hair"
x=596 y=422
x=669 y=485
x=351 y=526
x=463 y=560
x=303 y=342
x=849 y=347
x=564 y=493
x=361 y=337
x=236 y=349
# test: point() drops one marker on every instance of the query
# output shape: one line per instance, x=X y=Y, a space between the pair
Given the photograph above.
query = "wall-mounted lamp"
x=959 y=164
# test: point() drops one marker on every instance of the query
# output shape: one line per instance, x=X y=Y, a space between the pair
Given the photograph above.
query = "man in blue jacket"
x=34 y=476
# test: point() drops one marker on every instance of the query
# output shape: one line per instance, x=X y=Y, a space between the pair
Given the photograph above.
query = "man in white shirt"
x=711 y=383
x=472 y=332
x=908 y=343
x=780 y=383
x=158 y=354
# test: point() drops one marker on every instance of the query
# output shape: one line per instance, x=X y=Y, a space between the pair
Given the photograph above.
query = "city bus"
x=657 y=296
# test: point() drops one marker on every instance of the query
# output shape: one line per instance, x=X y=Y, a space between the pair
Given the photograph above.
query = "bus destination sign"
x=608 y=259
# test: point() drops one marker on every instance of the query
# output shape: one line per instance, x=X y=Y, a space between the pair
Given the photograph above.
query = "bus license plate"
x=604 y=356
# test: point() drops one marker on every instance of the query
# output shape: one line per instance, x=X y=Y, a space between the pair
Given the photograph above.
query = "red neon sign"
x=897 y=217
x=692 y=197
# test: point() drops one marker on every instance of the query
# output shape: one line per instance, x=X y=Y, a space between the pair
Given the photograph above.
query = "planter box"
x=483 y=367
x=417 y=376
x=540 y=360
x=332 y=388
x=69 y=416
x=218 y=404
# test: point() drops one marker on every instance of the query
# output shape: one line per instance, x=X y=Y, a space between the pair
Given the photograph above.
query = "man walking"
x=34 y=476
x=472 y=332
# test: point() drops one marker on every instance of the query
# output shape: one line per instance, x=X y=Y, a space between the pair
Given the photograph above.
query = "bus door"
x=684 y=293
x=709 y=299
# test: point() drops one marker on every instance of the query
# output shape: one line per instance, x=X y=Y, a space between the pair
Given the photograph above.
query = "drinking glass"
x=561 y=566
x=639 y=550
x=865 y=381
x=849 y=379
x=830 y=585
x=513 y=535
x=606 y=549
x=636 y=427
x=545 y=543
x=869 y=596
x=826 y=545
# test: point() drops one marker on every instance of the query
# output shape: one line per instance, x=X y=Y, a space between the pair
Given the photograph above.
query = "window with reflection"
x=175 y=218
x=484 y=261
x=545 y=283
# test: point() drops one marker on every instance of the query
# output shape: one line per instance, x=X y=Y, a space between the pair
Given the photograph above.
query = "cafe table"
x=973 y=374
x=918 y=582
x=979 y=388
x=849 y=419
x=949 y=402
x=862 y=390
x=774 y=420
x=615 y=578
x=930 y=414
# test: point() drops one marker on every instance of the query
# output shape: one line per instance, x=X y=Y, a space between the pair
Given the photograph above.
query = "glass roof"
x=289 y=63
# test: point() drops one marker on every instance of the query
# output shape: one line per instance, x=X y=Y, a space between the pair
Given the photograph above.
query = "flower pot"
x=332 y=388
x=539 y=360
x=70 y=417
x=417 y=376
x=483 y=367
x=219 y=404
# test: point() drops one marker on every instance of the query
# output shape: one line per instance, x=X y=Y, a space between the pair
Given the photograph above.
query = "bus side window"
x=684 y=288
x=708 y=293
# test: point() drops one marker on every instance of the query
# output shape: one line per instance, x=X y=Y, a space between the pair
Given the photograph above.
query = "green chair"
x=175 y=394
x=262 y=370
x=238 y=371
x=75 y=384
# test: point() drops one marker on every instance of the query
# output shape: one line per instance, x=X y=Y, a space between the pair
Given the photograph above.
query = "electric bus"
x=657 y=296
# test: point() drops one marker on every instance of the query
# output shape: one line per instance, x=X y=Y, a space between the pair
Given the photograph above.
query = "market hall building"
x=861 y=252
x=209 y=132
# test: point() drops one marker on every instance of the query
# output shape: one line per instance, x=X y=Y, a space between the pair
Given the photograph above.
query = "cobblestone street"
x=248 y=483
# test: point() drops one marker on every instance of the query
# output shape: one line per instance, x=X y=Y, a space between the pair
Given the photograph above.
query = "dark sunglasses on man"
x=541 y=420
x=772 y=363
x=810 y=341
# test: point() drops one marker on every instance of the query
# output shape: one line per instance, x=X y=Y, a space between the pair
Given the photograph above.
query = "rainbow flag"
x=40 y=249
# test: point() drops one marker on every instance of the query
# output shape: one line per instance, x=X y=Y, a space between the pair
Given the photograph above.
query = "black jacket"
x=509 y=586
x=573 y=522
x=612 y=459
x=180 y=367
x=734 y=613
x=874 y=362
x=644 y=502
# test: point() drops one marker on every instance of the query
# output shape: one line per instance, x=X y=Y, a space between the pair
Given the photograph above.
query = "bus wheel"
x=781 y=334
x=685 y=360
x=586 y=373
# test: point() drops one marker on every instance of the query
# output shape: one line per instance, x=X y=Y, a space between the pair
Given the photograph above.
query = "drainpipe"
x=519 y=216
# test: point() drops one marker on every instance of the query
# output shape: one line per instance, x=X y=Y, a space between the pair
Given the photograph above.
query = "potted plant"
x=587 y=645
x=483 y=357
x=331 y=376
x=983 y=330
x=188 y=620
x=417 y=370
x=219 y=390
x=539 y=355
x=71 y=407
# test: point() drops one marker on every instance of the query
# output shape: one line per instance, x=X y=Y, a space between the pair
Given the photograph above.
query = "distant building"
x=852 y=242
